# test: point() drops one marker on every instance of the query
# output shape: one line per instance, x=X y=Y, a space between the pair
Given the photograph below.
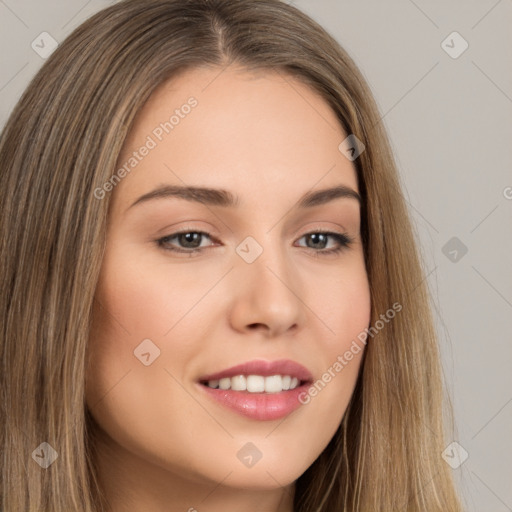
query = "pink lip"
x=260 y=406
x=264 y=368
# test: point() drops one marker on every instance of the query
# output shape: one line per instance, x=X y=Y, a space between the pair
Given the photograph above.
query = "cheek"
x=344 y=304
x=148 y=298
x=345 y=307
x=131 y=307
x=132 y=402
x=140 y=301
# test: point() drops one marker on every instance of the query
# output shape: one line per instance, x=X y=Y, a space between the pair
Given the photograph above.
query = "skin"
x=162 y=443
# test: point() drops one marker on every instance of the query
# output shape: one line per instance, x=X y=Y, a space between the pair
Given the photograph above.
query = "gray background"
x=449 y=120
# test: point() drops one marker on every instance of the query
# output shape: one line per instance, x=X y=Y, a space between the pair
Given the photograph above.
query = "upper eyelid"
x=338 y=226
x=210 y=235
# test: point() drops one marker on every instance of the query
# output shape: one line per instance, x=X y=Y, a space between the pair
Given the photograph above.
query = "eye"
x=190 y=242
x=320 y=238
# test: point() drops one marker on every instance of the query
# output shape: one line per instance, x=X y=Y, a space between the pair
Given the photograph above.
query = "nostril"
x=255 y=326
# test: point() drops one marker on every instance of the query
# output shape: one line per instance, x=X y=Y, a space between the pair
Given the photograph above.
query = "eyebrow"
x=224 y=198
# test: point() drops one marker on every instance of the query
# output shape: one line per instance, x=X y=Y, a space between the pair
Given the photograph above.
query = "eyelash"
x=343 y=240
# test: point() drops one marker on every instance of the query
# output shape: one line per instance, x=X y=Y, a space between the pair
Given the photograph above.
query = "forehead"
x=246 y=130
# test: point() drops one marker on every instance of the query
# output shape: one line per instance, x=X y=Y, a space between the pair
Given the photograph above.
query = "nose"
x=268 y=295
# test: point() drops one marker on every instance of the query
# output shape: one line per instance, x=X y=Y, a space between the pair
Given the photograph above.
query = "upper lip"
x=263 y=368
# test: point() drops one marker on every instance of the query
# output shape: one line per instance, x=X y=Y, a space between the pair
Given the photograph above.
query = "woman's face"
x=254 y=281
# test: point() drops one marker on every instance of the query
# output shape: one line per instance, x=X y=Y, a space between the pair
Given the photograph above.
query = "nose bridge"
x=266 y=293
x=264 y=258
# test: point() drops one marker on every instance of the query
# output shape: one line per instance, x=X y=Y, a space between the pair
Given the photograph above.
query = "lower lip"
x=258 y=406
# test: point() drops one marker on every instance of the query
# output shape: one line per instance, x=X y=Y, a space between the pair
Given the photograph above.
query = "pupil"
x=315 y=237
x=189 y=238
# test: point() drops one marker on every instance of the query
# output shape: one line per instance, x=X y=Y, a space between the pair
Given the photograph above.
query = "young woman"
x=211 y=295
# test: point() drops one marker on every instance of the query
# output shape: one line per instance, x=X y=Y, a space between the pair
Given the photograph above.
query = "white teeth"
x=225 y=383
x=239 y=383
x=256 y=383
x=273 y=384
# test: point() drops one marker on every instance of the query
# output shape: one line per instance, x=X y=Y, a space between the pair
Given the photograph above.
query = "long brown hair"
x=62 y=142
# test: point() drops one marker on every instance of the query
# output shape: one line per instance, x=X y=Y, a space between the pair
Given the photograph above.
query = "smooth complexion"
x=164 y=445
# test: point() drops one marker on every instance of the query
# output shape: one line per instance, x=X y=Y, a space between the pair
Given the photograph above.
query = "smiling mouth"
x=259 y=390
x=255 y=383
